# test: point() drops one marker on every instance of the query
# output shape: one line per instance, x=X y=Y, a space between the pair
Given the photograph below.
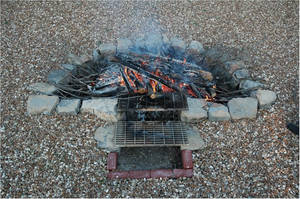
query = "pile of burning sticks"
x=135 y=74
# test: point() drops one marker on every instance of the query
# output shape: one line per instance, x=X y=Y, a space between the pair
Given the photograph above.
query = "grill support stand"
x=187 y=171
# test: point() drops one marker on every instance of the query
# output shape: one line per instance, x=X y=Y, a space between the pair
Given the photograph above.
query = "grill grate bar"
x=169 y=101
x=150 y=133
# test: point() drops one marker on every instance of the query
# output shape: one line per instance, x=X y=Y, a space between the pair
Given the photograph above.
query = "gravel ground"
x=56 y=156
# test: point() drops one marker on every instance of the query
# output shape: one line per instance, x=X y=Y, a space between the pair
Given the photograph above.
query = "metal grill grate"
x=150 y=133
x=167 y=102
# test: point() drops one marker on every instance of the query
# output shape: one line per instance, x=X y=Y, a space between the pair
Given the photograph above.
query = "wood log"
x=127 y=83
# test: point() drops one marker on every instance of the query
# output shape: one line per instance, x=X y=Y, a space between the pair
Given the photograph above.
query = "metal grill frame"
x=154 y=133
x=132 y=103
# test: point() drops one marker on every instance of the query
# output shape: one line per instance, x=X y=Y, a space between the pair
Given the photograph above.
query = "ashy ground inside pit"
x=149 y=158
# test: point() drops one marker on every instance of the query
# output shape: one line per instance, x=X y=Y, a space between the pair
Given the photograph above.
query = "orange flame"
x=121 y=80
x=153 y=85
x=209 y=98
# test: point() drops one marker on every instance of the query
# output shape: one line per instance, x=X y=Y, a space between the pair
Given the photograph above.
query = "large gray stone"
x=68 y=106
x=123 y=45
x=42 y=88
x=104 y=136
x=107 y=49
x=178 y=45
x=45 y=104
x=248 y=84
x=75 y=60
x=265 y=98
x=241 y=74
x=218 y=112
x=232 y=66
x=97 y=57
x=243 y=108
x=196 y=111
x=195 y=48
x=58 y=76
x=206 y=75
x=194 y=139
x=104 y=108
x=69 y=67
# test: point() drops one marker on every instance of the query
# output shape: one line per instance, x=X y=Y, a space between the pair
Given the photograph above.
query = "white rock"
x=104 y=108
x=107 y=49
x=68 y=106
x=218 y=112
x=104 y=137
x=195 y=140
x=195 y=47
x=242 y=108
x=74 y=59
x=123 y=45
x=248 y=84
x=265 y=98
x=196 y=111
x=45 y=104
x=178 y=44
x=42 y=88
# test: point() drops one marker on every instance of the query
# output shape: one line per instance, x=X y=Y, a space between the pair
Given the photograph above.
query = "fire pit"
x=151 y=88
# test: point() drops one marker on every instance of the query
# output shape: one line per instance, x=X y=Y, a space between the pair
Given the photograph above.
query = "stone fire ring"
x=46 y=102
